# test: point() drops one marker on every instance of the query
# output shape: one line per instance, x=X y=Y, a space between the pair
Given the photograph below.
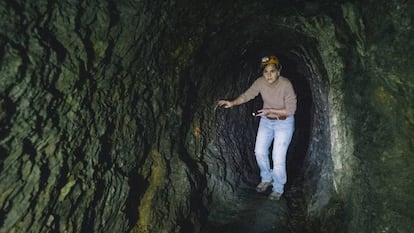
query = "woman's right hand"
x=225 y=103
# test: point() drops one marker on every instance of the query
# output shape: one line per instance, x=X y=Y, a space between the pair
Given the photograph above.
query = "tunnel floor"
x=250 y=211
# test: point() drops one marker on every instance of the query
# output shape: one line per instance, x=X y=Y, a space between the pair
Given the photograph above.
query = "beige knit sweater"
x=277 y=95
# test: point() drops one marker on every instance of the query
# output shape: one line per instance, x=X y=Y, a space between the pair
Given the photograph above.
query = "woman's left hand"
x=264 y=112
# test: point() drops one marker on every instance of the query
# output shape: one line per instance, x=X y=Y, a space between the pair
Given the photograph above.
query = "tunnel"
x=109 y=118
x=230 y=157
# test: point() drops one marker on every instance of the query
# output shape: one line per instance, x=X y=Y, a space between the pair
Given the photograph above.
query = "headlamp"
x=270 y=60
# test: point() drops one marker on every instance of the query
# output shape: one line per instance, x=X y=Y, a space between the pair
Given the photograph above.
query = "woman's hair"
x=267 y=60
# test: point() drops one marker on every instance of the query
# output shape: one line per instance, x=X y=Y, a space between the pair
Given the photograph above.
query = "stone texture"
x=108 y=120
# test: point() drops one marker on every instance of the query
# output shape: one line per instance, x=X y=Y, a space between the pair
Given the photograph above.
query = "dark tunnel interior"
x=297 y=74
x=243 y=140
x=109 y=119
x=225 y=67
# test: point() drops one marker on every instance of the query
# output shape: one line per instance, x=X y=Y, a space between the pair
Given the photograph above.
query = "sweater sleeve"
x=252 y=92
x=290 y=99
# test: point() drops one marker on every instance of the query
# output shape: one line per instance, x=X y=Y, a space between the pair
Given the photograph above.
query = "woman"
x=276 y=123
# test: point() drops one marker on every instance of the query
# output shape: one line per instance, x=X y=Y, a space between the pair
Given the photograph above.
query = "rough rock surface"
x=108 y=120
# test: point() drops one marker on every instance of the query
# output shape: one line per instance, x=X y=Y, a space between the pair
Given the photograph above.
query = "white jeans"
x=280 y=131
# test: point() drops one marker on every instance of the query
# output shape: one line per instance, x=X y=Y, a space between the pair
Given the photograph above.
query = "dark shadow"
x=137 y=185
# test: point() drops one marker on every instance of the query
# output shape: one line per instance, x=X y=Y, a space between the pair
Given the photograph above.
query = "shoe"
x=275 y=196
x=262 y=187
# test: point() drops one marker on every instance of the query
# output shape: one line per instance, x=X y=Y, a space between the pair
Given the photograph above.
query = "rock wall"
x=108 y=120
x=378 y=98
x=90 y=125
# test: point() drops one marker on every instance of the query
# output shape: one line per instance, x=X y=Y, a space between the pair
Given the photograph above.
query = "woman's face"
x=270 y=73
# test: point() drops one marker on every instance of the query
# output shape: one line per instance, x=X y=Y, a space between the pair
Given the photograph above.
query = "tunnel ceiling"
x=108 y=118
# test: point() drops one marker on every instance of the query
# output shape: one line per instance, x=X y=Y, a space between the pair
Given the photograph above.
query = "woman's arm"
x=278 y=112
x=249 y=94
x=272 y=112
x=228 y=104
